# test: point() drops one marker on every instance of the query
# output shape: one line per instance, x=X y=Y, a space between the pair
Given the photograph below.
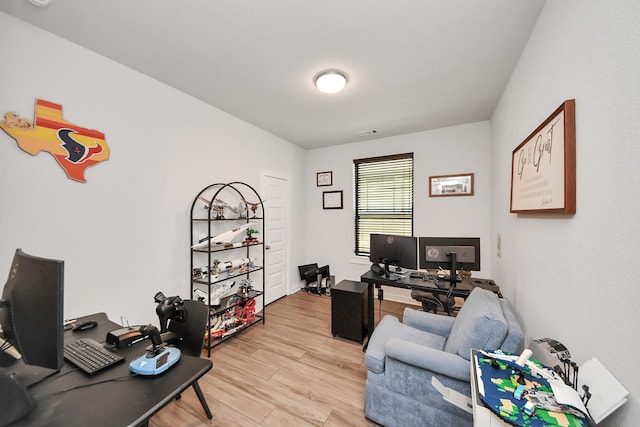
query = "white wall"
x=457 y=149
x=575 y=278
x=125 y=233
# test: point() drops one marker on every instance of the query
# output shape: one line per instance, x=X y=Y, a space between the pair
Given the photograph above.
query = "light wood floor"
x=290 y=371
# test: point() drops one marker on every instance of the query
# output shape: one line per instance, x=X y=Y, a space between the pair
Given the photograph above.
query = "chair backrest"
x=191 y=332
x=480 y=324
x=304 y=269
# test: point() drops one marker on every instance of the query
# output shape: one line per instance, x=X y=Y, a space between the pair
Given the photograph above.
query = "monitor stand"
x=27 y=375
x=453 y=273
x=387 y=271
x=16 y=401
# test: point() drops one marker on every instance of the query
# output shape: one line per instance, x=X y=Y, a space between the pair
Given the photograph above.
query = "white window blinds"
x=383 y=198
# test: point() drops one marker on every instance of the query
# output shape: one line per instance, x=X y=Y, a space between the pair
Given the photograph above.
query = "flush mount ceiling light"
x=39 y=3
x=330 y=81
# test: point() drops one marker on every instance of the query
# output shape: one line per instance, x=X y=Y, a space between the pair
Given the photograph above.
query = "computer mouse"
x=89 y=324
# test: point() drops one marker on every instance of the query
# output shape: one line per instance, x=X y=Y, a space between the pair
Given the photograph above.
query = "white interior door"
x=275 y=190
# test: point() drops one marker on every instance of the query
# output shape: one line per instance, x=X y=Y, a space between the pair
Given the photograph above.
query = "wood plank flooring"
x=290 y=371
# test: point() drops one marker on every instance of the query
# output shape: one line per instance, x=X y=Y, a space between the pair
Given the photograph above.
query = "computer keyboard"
x=422 y=275
x=90 y=356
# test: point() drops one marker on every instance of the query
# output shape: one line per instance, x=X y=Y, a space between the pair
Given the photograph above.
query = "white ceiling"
x=413 y=65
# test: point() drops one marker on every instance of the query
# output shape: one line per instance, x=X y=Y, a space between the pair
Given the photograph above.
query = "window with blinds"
x=383 y=198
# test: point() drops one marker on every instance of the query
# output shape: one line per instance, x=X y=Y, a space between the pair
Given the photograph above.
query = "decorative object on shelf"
x=332 y=199
x=324 y=179
x=253 y=206
x=246 y=310
x=222 y=239
x=451 y=185
x=251 y=239
x=543 y=166
x=234 y=266
x=218 y=207
x=246 y=286
x=75 y=148
x=222 y=290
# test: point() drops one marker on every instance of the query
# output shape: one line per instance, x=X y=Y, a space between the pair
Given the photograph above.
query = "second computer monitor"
x=435 y=252
x=399 y=251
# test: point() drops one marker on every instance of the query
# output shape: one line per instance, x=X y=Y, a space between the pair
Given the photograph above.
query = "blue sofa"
x=403 y=358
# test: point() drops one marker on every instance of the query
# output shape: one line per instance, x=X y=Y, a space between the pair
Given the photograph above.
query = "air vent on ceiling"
x=368 y=132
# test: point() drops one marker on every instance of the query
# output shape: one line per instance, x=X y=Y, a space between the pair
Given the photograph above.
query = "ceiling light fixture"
x=39 y=3
x=330 y=81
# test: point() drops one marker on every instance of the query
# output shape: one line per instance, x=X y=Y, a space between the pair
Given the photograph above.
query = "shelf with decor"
x=227 y=258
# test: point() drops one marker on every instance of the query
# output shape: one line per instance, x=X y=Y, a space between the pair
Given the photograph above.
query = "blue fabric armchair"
x=402 y=359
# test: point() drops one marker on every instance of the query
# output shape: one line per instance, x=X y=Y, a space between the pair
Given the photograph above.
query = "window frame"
x=402 y=213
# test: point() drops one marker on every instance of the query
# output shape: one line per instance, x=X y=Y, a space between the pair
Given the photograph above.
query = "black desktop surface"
x=114 y=397
x=462 y=288
x=408 y=282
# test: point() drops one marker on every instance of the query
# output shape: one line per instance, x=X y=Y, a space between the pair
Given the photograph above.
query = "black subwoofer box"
x=349 y=315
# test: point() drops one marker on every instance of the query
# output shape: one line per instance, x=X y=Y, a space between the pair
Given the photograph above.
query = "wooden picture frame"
x=332 y=199
x=451 y=185
x=543 y=166
x=324 y=179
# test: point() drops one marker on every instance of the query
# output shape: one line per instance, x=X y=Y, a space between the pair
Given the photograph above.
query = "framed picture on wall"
x=332 y=199
x=451 y=185
x=324 y=179
x=543 y=166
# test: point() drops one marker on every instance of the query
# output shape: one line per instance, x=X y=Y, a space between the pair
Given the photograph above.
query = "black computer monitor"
x=31 y=310
x=31 y=318
x=436 y=253
x=398 y=251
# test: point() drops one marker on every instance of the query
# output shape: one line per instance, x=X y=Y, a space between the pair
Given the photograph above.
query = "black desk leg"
x=370 y=315
x=202 y=400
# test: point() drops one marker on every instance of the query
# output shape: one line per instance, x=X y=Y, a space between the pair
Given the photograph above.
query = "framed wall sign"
x=324 y=179
x=451 y=185
x=543 y=166
x=332 y=199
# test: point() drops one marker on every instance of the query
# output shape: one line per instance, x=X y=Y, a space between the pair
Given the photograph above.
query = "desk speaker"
x=349 y=314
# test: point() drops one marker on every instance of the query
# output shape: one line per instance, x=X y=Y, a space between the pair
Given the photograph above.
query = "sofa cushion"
x=390 y=327
x=515 y=336
x=480 y=324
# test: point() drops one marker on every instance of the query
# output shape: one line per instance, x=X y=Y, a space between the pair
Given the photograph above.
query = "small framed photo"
x=451 y=185
x=324 y=179
x=332 y=199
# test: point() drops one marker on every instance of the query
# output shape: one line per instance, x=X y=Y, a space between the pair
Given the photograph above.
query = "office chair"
x=433 y=302
x=188 y=335
x=317 y=279
x=306 y=268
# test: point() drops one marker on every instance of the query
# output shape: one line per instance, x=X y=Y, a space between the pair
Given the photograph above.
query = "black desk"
x=122 y=400
x=462 y=288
